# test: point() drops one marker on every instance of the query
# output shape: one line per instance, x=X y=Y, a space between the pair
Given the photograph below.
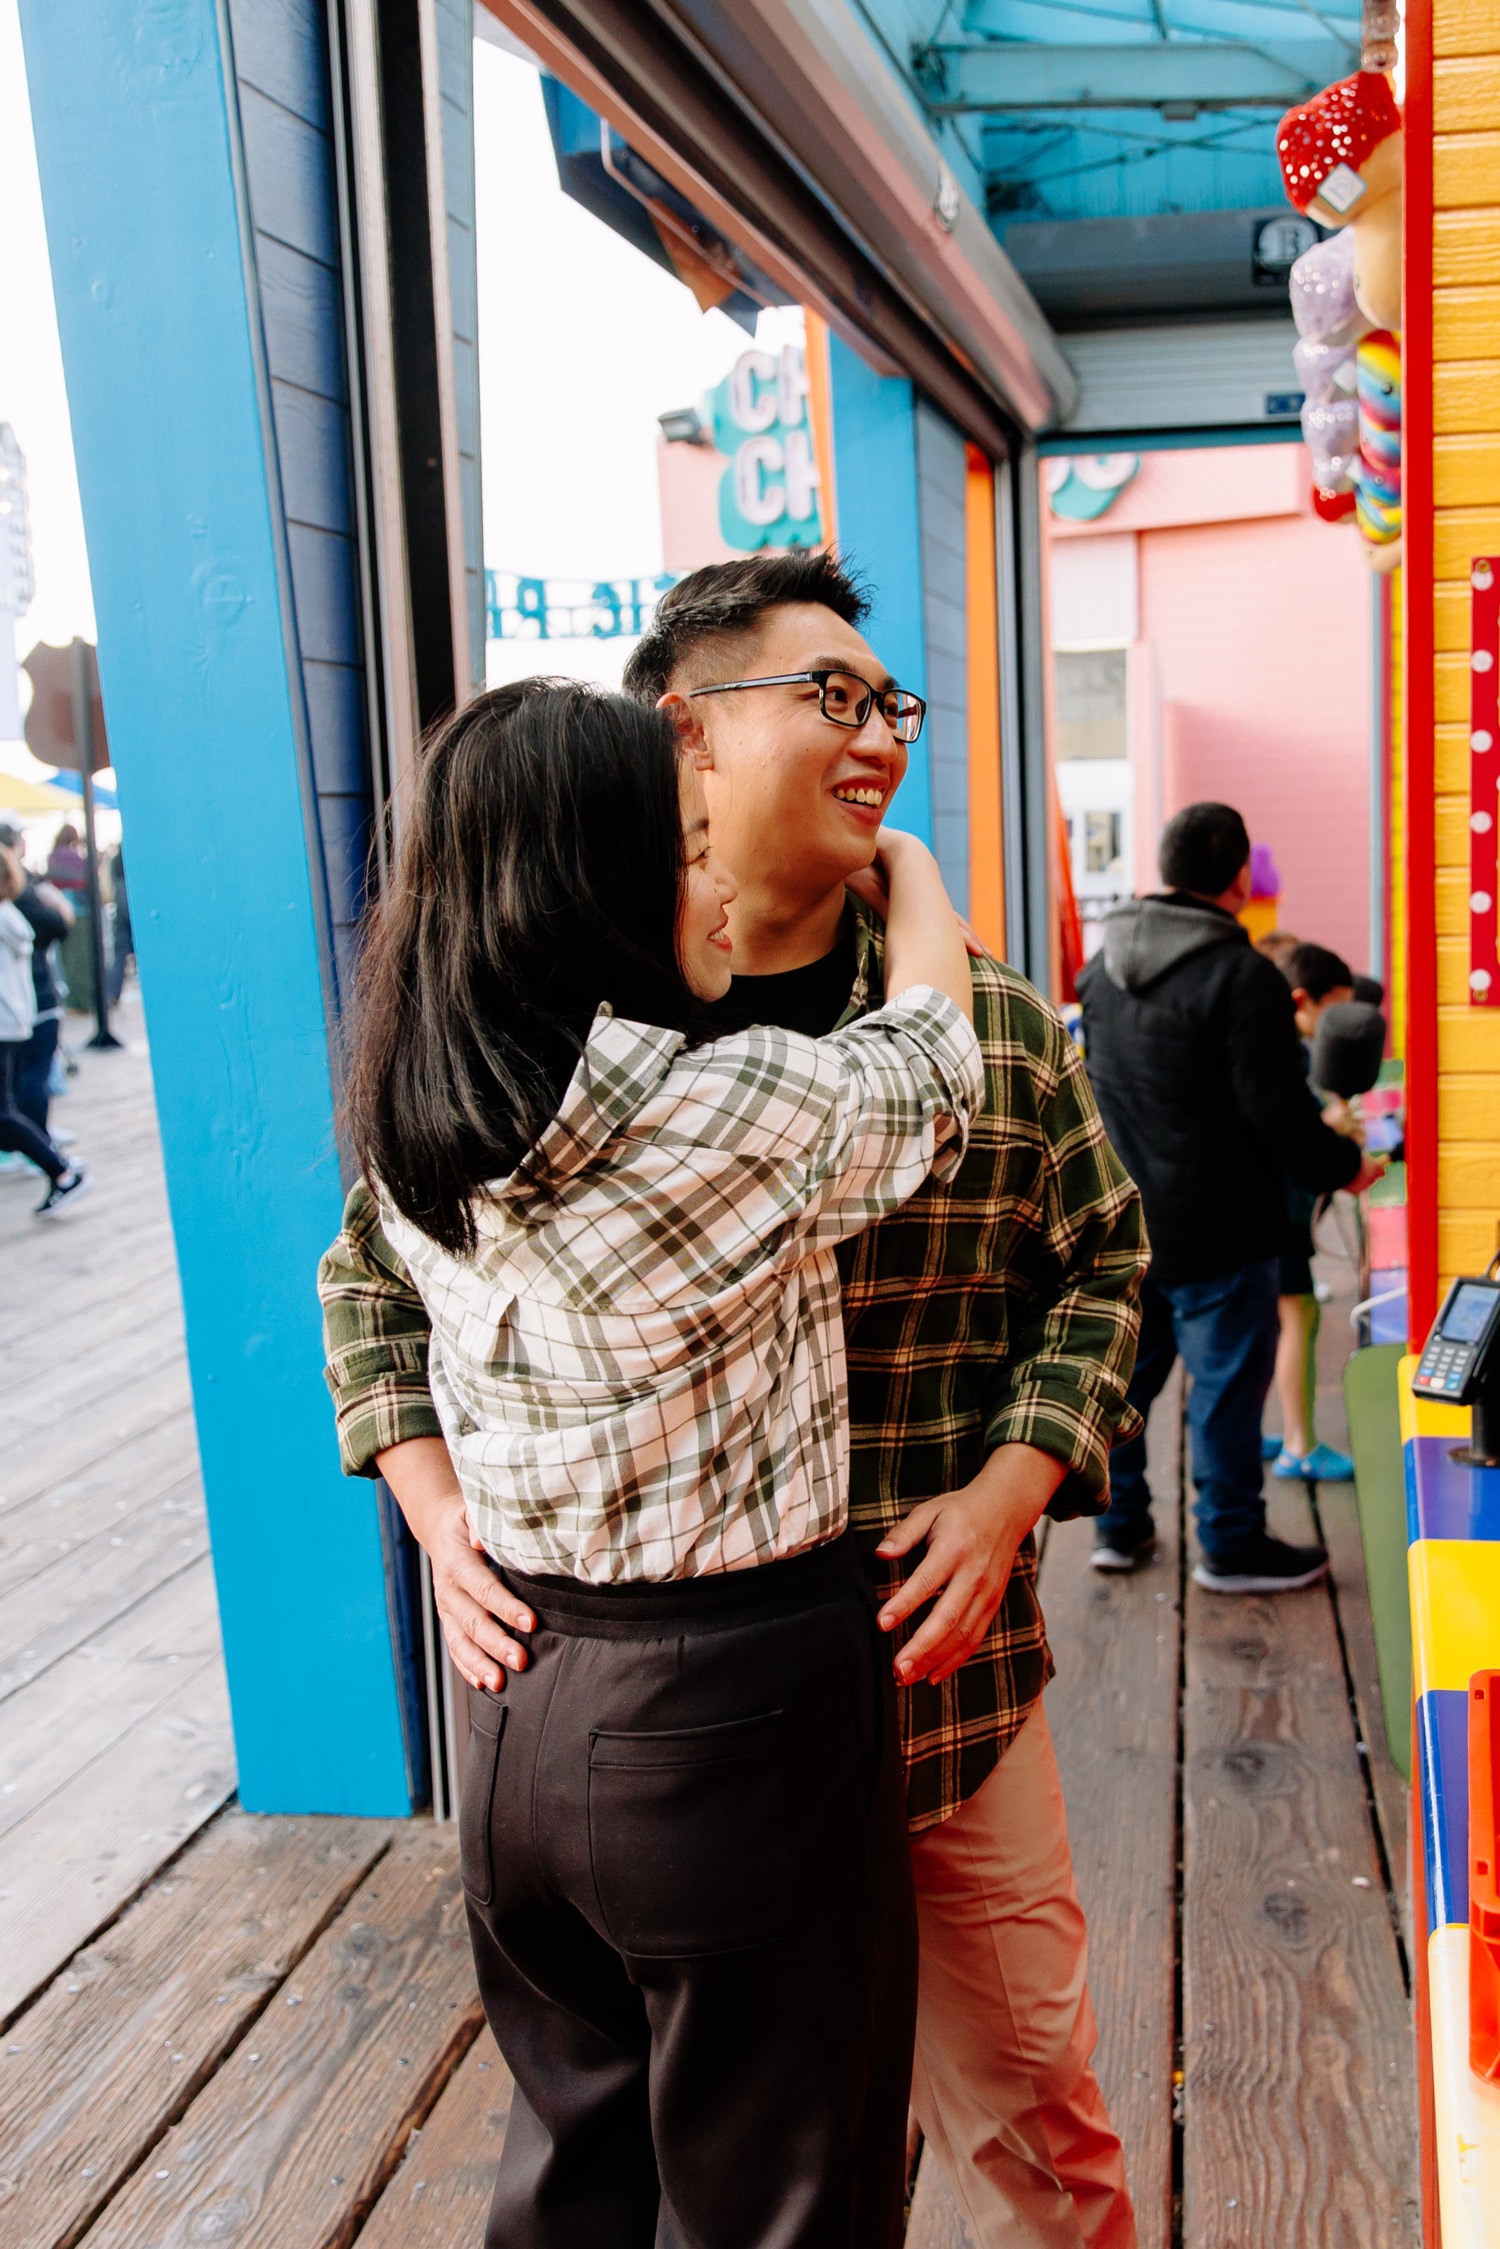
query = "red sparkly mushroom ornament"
x=1341 y=163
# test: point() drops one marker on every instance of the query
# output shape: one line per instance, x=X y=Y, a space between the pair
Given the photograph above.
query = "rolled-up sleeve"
x=376 y=1337
x=1062 y=1386
x=911 y=1080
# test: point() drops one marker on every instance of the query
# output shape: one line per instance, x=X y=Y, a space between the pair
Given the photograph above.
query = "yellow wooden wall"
x=1466 y=494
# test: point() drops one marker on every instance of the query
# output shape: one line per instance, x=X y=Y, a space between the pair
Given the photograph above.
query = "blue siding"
x=875 y=480
x=942 y=475
x=284 y=97
x=135 y=130
x=455 y=25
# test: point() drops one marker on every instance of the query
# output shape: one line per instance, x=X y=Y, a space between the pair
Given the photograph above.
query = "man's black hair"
x=725 y=601
x=1315 y=970
x=1203 y=848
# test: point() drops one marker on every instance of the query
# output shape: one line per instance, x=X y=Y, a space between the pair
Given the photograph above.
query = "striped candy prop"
x=1378 y=368
x=1484 y=763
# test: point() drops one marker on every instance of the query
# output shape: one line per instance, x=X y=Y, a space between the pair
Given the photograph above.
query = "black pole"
x=83 y=735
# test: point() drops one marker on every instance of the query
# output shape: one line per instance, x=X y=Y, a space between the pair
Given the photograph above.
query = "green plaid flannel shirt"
x=996 y=1308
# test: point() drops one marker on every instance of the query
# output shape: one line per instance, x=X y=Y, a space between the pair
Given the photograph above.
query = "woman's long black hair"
x=539 y=873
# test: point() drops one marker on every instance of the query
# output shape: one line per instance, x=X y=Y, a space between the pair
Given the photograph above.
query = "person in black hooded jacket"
x=1192 y=1046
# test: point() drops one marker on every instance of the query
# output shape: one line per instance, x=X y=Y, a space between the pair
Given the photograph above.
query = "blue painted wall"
x=455 y=26
x=136 y=140
x=942 y=474
x=879 y=528
x=286 y=132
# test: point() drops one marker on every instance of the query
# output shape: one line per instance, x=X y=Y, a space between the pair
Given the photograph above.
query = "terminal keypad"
x=1445 y=1366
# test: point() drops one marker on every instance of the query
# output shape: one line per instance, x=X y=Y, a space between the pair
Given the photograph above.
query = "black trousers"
x=684 y=1848
x=18 y=1135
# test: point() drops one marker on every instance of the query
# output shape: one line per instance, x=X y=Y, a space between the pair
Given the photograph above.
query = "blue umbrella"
x=104 y=798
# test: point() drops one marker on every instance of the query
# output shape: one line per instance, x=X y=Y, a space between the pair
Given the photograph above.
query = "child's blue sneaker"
x=1320 y=1466
x=1270 y=1448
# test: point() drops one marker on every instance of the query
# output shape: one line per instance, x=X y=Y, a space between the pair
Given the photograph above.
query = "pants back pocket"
x=690 y=1837
x=476 y=1864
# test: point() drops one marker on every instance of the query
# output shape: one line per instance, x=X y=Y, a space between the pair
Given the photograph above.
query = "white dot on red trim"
x=1480 y=822
x=1479 y=979
x=1480 y=902
x=1481 y=739
x=1482 y=660
x=1481 y=577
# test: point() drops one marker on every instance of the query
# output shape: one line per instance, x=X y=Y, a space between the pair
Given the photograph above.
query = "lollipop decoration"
x=1378 y=487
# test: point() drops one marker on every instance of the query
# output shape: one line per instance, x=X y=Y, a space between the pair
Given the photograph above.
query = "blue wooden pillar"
x=143 y=182
x=880 y=531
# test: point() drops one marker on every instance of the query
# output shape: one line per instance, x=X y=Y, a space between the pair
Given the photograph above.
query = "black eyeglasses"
x=843 y=697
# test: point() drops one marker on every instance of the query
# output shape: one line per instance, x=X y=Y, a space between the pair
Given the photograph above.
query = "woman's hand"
x=872 y=886
x=473 y=1605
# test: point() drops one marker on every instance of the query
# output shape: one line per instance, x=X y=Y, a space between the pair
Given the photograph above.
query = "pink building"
x=1212 y=638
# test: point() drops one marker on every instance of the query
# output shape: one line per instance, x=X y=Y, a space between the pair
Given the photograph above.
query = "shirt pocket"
x=690 y=1837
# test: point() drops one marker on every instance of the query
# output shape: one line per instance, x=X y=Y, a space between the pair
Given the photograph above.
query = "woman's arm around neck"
x=924 y=943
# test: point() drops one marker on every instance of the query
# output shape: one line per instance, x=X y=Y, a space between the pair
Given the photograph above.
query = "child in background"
x=1318 y=979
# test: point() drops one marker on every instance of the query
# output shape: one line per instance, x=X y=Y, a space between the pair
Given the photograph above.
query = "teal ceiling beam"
x=1207 y=74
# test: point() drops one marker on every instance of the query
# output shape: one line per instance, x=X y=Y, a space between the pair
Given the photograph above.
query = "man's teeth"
x=860 y=796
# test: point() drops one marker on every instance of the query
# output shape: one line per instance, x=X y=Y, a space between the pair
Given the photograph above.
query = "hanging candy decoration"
x=1340 y=158
x=1378 y=488
x=1328 y=323
x=1341 y=152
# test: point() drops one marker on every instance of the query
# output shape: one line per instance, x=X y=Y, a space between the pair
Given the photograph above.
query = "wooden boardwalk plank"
x=37 y=1534
x=77 y=1711
x=81 y=1442
x=1300 y=2125
x=440 y=2197
x=1113 y=1713
x=1113 y=1709
x=935 y=2220
x=297 y=2135
x=88 y=1849
x=1338 y=1518
x=137 y=1303
x=111 y=2054
x=104 y=1578
x=35 y=1407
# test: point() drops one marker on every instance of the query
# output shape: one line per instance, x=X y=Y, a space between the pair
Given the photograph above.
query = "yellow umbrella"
x=17 y=795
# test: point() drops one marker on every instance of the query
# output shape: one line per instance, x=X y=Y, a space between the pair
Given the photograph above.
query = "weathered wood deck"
x=215 y=2027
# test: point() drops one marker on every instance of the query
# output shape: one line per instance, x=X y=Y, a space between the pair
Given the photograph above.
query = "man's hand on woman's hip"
x=472 y=1603
x=972 y=1539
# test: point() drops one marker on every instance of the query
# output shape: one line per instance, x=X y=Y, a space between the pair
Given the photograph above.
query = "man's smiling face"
x=789 y=792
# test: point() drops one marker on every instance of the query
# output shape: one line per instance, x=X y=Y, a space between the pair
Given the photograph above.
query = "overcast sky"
x=583 y=343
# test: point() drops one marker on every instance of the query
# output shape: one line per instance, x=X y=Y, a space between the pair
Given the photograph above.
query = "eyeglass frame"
x=820 y=680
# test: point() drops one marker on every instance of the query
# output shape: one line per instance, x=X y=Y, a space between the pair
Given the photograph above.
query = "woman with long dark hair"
x=682 y=1832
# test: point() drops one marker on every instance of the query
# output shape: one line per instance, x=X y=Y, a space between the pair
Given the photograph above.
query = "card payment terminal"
x=1460 y=1362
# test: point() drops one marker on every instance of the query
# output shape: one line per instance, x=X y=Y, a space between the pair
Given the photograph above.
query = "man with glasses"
x=990 y=1330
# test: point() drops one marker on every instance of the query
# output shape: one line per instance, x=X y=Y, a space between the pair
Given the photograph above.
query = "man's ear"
x=691 y=739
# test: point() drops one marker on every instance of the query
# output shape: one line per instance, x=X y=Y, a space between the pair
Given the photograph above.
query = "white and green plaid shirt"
x=640 y=1371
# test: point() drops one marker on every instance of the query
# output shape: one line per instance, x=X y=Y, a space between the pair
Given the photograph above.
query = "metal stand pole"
x=83 y=733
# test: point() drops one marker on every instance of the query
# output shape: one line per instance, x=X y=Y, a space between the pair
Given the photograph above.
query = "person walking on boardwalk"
x=1192 y=1046
x=66 y=1183
x=50 y=917
x=681 y=1837
x=989 y=1329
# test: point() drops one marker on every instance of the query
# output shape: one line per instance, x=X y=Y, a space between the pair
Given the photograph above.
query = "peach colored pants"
x=1003 y=2087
